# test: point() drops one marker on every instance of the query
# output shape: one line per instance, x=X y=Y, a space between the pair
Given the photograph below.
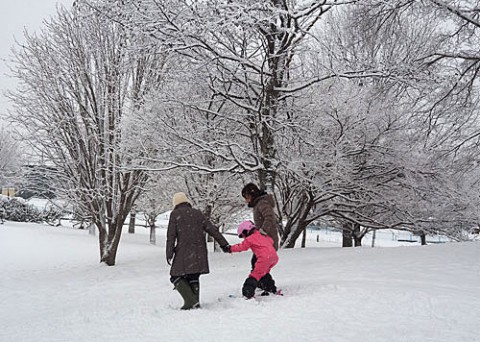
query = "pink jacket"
x=261 y=245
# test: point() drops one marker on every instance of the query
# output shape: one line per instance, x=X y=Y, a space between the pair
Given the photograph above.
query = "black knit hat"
x=251 y=189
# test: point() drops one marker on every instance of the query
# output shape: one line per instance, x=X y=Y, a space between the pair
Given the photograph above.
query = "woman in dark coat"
x=187 y=248
x=265 y=220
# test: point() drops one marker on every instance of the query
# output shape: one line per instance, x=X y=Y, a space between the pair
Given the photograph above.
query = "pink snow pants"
x=263 y=266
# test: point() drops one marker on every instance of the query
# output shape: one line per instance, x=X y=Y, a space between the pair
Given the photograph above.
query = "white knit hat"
x=178 y=198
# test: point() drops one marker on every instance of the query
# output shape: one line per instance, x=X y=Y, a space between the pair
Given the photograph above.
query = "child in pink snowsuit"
x=262 y=246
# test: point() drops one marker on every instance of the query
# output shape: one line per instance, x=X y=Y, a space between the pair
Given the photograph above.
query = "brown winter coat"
x=264 y=216
x=186 y=241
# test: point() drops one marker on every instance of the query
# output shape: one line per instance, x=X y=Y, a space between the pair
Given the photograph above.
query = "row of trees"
x=362 y=114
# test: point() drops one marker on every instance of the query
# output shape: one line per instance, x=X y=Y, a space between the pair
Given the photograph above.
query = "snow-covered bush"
x=19 y=210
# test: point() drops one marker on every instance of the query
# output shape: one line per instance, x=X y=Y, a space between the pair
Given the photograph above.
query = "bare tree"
x=366 y=147
x=334 y=123
x=248 y=54
x=79 y=81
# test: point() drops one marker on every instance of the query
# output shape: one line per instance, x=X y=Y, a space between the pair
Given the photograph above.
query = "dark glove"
x=226 y=249
x=169 y=261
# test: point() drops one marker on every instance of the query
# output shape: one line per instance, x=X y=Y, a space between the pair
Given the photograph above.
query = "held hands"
x=226 y=249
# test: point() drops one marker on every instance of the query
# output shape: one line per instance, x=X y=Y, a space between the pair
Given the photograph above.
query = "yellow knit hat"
x=178 y=198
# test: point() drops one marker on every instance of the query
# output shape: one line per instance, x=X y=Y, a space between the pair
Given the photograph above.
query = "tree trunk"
x=357 y=237
x=357 y=241
x=153 y=238
x=304 y=237
x=150 y=222
x=110 y=251
x=423 y=239
x=131 y=225
x=299 y=228
x=91 y=229
x=109 y=238
x=297 y=221
x=347 y=239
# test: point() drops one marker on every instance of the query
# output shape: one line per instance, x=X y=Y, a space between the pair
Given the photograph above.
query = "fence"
x=386 y=237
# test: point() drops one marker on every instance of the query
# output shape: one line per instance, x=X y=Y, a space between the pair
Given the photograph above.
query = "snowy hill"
x=52 y=288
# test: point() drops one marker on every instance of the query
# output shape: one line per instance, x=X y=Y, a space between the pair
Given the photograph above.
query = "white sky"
x=15 y=17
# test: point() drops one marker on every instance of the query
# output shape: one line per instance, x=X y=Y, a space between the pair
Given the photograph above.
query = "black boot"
x=183 y=287
x=195 y=285
x=267 y=284
x=249 y=286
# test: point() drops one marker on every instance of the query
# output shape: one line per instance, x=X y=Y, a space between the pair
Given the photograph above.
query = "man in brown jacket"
x=265 y=220
x=187 y=247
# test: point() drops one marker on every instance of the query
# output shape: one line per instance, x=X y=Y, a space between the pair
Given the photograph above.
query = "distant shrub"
x=18 y=210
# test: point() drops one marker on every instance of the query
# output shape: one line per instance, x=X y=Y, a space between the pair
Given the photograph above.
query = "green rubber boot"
x=189 y=298
x=195 y=285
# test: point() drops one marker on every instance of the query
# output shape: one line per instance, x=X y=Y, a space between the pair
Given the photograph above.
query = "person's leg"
x=249 y=286
x=194 y=281
x=266 y=282
x=253 y=261
x=252 y=282
x=261 y=268
x=183 y=287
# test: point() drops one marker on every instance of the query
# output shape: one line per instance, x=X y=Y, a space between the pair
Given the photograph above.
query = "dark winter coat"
x=186 y=241
x=264 y=216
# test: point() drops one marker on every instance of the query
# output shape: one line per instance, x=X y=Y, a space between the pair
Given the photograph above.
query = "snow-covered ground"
x=52 y=288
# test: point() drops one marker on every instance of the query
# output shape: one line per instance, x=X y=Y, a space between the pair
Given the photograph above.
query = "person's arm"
x=269 y=224
x=241 y=247
x=213 y=231
x=171 y=238
x=269 y=220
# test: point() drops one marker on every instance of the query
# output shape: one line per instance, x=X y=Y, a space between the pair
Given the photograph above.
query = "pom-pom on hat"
x=179 y=198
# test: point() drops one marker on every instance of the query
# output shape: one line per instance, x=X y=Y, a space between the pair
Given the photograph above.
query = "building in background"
x=32 y=181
